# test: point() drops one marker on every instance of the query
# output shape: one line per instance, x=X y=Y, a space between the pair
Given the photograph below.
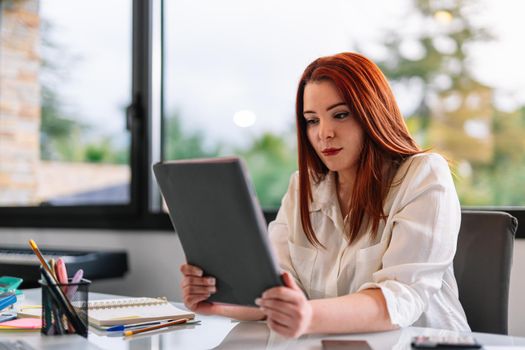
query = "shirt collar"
x=325 y=199
x=324 y=193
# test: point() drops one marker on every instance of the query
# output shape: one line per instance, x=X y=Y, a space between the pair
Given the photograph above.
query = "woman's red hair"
x=387 y=141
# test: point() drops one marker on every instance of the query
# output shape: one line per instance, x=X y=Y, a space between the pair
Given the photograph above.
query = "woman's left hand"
x=288 y=311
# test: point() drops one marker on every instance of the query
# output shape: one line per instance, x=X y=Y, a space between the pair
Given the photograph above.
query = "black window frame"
x=137 y=215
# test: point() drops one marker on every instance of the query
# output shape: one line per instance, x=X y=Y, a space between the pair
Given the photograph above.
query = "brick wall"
x=19 y=101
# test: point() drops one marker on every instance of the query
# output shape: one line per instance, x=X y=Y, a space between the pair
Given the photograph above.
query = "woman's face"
x=334 y=133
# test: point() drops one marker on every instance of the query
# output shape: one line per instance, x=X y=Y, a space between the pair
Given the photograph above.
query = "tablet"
x=215 y=212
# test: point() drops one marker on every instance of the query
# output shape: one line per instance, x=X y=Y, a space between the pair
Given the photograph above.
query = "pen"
x=163 y=325
x=52 y=264
x=121 y=328
x=59 y=327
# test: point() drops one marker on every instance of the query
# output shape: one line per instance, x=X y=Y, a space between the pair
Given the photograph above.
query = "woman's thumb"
x=289 y=281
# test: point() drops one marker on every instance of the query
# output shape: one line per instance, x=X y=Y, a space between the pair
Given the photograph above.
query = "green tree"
x=103 y=151
x=271 y=161
x=58 y=133
x=455 y=113
x=183 y=144
x=62 y=135
x=58 y=130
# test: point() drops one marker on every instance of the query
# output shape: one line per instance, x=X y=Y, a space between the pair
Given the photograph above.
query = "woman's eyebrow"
x=329 y=108
x=336 y=105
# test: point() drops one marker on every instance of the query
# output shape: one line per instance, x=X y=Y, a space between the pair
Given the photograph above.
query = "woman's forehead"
x=321 y=93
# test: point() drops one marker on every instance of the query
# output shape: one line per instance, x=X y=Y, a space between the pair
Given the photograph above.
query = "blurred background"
x=94 y=92
x=230 y=74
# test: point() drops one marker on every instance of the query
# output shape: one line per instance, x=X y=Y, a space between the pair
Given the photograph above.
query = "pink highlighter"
x=76 y=279
x=61 y=273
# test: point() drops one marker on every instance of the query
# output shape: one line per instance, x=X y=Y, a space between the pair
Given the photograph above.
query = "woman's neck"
x=345 y=185
x=345 y=181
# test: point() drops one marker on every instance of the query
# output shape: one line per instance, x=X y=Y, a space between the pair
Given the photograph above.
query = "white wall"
x=517 y=291
x=154 y=259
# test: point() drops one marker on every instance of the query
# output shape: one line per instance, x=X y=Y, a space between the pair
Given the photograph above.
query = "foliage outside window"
x=230 y=89
x=63 y=93
x=428 y=49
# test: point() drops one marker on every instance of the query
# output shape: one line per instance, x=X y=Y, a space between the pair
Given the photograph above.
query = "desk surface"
x=222 y=333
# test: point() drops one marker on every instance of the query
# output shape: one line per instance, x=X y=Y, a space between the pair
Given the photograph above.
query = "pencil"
x=52 y=265
x=159 y=326
x=33 y=246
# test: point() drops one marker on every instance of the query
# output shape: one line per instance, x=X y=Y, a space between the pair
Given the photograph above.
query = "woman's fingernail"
x=211 y=280
x=258 y=301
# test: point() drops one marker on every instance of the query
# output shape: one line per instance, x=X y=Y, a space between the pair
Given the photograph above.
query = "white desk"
x=221 y=333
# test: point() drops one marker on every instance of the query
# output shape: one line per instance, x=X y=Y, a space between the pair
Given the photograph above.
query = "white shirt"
x=410 y=260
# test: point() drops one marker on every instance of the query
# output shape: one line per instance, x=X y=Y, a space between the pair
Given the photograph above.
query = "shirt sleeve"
x=423 y=240
x=279 y=229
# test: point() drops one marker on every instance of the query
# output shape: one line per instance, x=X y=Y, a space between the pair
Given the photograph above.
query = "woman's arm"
x=364 y=311
x=291 y=314
x=241 y=313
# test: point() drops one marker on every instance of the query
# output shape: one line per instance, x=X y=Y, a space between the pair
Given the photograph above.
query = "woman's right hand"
x=196 y=289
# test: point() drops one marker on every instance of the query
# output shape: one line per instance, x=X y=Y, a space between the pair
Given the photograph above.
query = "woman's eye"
x=341 y=115
x=311 y=121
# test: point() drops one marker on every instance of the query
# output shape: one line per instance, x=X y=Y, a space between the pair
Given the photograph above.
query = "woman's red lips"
x=331 y=151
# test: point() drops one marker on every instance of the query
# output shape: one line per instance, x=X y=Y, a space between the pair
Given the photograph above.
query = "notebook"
x=29 y=311
x=111 y=312
x=23 y=324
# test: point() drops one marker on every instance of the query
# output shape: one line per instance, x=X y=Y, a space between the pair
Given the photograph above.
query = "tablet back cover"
x=221 y=227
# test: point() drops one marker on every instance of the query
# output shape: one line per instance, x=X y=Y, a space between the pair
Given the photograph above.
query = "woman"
x=367 y=231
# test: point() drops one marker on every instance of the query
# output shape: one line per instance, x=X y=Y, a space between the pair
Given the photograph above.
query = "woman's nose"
x=326 y=130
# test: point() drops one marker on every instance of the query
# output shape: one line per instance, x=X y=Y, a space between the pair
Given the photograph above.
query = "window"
x=64 y=93
x=108 y=92
x=70 y=122
x=232 y=67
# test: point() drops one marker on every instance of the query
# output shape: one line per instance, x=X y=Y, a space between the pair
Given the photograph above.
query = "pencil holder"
x=58 y=306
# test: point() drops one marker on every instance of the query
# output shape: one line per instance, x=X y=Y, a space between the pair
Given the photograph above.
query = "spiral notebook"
x=124 y=311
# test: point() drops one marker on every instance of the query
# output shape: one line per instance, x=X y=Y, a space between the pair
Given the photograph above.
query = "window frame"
x=136 y=214
x=144 y=119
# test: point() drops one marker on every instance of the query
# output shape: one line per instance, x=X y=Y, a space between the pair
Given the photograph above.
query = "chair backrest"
x=482 y=268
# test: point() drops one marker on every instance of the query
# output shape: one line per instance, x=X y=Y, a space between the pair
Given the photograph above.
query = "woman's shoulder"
x=422 y=169
x=431 y=162
x=291 y=194
x=417 y=175
x=294 y=181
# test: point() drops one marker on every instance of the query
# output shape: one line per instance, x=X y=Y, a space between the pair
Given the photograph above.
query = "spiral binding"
x=132 y=302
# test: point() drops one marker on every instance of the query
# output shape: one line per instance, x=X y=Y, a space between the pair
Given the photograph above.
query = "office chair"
x=482 y=268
